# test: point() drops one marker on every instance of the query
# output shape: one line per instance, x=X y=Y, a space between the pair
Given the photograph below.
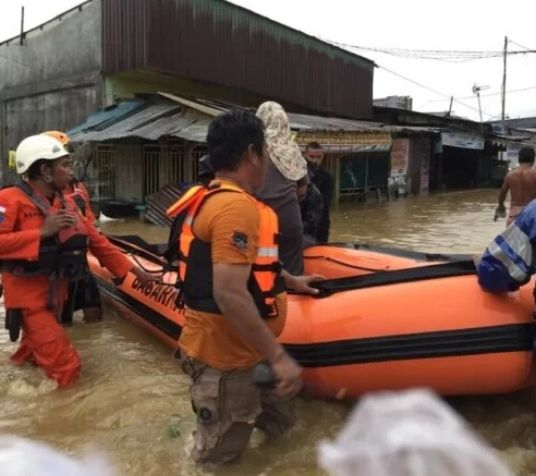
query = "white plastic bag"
x=411 y=433
x=21 y=457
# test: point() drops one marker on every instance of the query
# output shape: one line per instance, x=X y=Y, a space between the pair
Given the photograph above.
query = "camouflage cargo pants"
x=229 y=406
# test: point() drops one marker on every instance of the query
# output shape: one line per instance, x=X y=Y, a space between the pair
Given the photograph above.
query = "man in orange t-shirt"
x=221 y=348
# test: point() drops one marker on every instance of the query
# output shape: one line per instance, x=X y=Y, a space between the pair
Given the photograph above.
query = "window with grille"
x=177 y=166
x=363 y=171
x=103 y=182
x=151 y=169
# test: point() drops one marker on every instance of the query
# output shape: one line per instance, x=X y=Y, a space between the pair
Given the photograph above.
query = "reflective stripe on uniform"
x=513 y=269
x=265 y=251
x=519 y=242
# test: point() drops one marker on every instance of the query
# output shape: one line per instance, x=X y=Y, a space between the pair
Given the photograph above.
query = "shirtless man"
x=521 y=183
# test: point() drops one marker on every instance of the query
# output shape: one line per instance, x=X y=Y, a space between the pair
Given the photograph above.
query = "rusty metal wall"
x=124 y=34
x=216 y=42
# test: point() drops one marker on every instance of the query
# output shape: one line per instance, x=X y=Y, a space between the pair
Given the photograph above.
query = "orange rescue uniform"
x=44 y=341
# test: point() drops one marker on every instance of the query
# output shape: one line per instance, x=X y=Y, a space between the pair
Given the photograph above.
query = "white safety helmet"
x=38 y=147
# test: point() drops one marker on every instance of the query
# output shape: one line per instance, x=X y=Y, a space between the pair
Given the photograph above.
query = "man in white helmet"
x=43 y=243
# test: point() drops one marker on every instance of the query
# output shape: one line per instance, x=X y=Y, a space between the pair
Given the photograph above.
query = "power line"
x=519 y=45
x=435 y=91
x=445 y=55
x=455 y=56
x=509 y=91
x=415 y=82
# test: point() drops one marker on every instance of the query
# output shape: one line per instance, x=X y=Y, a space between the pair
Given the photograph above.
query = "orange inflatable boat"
x=385 y=319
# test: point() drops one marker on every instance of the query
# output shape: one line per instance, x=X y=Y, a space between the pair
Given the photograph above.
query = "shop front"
x=358 y=161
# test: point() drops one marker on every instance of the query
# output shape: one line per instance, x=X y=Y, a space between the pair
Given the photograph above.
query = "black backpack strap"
x=80 y=203
x=172 y=250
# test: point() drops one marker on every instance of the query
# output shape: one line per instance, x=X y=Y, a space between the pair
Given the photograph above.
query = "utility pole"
x=450 y=107
x=476 y=90
x=21 y=25
x=503 y=102
x=479 y=105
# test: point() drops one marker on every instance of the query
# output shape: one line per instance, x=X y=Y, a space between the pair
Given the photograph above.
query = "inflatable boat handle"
x=385 y=278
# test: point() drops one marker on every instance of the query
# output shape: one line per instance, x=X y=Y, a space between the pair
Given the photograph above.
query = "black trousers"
x=83 y=294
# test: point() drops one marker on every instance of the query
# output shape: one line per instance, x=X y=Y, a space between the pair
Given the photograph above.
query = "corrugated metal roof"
x=150 y=121
x=132 y=125
x=210 y=108
x=335 y=124
x=308 y=122
x=169 y=116
x=137 y=122
x=106 y=117
x=216 y=42
x=303 y=122
x=164 y=126
x=196 y=132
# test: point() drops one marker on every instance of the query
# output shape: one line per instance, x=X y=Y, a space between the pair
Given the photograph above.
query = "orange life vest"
x=63 y=254
x=195 y=262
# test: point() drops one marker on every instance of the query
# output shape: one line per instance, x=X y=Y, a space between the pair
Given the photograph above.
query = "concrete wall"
x=52 y=81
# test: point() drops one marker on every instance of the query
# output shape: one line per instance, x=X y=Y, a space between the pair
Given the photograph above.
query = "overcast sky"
x=415 y=24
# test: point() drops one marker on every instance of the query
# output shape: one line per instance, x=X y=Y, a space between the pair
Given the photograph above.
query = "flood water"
x=132 y=400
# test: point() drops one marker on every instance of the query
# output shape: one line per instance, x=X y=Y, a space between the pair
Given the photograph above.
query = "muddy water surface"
x=132 y=400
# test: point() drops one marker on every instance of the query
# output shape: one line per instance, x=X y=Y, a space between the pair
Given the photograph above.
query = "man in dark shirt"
x=312 y=206
x=314 y=153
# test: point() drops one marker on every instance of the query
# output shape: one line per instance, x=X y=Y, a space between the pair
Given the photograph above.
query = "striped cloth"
x=508 y=261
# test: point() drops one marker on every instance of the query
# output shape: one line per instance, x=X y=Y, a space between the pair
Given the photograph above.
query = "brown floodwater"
x=132 y=400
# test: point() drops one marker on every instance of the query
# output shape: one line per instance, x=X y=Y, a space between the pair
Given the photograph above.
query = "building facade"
x=103 y=51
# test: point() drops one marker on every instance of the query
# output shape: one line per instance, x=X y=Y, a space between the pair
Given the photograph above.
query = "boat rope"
x=160 y=272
